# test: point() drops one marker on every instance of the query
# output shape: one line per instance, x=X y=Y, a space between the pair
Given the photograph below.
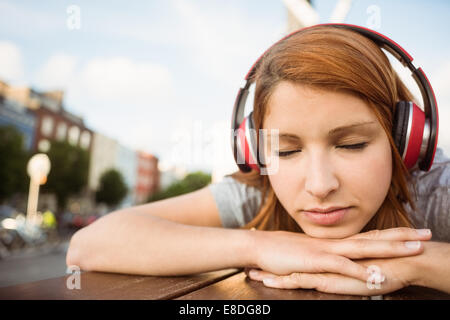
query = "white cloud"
x=124 y=80
x=117 y=96
x=224 y=42
x=125 y=99
x=117 y=79
x=11 y=66
x=58 y=71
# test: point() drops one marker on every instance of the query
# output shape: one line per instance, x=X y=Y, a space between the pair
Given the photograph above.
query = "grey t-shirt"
x=238 y=203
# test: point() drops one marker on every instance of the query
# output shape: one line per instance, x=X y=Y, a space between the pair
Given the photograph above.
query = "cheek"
x=283 y=183
x=371 y=177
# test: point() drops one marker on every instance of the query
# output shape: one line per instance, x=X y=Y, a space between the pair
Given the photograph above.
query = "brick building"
x=53 y=122
x=147 y=176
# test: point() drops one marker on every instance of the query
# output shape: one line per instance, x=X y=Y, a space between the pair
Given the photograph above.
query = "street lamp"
x=38 y=168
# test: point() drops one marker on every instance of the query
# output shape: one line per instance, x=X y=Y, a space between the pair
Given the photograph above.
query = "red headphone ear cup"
x=252 y=139
x=246 y=145
x=409 y=123
x=414 y=137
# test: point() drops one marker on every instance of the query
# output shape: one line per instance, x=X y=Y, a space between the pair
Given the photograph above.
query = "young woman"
x=331 y=93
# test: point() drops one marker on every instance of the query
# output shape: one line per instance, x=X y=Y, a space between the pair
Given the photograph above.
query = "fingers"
x=326 y=263
x=363 y=248
x=342 y=265
x=398 y=234
x=328 y=283
x=323 y=282
x=295 y=280
x=260 y=275
x=389 y=243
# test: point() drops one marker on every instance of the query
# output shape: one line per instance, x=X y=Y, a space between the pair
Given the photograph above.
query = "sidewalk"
x=34 y=264
x=31 y=252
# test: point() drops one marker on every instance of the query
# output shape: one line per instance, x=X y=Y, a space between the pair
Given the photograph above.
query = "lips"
x=325 y=210
x=327 y=216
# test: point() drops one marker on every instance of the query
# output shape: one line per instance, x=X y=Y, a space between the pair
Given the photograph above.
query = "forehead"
x=297 y=108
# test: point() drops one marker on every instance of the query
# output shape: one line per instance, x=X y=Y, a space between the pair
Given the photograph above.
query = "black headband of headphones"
x=429 y=99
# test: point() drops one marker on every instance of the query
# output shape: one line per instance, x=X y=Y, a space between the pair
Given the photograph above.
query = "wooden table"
x=230 y=284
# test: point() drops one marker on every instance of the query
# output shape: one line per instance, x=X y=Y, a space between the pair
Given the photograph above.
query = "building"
x=126 y=163
x=108 y=154
x=53 y=122
x=56 y=123
x=41 y=117
x=169 y=174
x=103 y=157
x=13 y=113
x=147 y=176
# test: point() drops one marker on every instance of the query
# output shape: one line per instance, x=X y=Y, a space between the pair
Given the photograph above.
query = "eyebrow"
x=333 y=132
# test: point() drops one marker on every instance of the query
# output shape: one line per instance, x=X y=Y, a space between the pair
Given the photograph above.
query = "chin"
x=349 y=226
x=337 y=232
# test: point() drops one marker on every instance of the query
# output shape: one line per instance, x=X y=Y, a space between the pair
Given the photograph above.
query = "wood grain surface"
x=229 y=284
x=99 y=286
x=240 y=287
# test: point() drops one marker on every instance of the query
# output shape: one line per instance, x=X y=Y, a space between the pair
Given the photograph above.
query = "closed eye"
x=354 y=146
x=286 y=153
x=357 y=146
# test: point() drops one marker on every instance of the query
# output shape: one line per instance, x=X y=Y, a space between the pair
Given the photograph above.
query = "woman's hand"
x=283 y=253
x=397 y=276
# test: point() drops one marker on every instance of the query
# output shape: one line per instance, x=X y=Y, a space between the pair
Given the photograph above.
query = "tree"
x=13 y=163
x=191 y=182
x=196 y=180
x=69 y=171
x=112 y=189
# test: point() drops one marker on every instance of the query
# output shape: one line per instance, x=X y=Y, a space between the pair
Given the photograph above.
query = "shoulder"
x=430 y=191
x=438 y=175
x=237 y=202
x=235 y=188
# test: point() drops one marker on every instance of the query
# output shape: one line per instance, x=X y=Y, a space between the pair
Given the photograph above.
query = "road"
x=34 y=265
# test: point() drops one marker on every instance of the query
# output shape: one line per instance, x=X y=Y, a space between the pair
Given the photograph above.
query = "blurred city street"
x=34 y=264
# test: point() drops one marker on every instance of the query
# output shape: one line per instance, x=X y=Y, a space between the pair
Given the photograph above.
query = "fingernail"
x=253 y=273
x=268 y=281
x=412 y=244
x=423 y=232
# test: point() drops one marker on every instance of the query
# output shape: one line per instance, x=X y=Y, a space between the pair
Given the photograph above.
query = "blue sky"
x=162 y=75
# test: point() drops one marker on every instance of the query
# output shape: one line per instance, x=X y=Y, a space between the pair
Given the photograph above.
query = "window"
x=47 y=126
x=74 y=134
x=44 y=145
x=61 y=131
x=85 y=139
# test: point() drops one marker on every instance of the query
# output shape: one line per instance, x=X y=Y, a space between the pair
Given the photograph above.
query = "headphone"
x=415 y=132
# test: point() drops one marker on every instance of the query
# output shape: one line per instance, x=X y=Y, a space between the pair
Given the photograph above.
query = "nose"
x=321 y=177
